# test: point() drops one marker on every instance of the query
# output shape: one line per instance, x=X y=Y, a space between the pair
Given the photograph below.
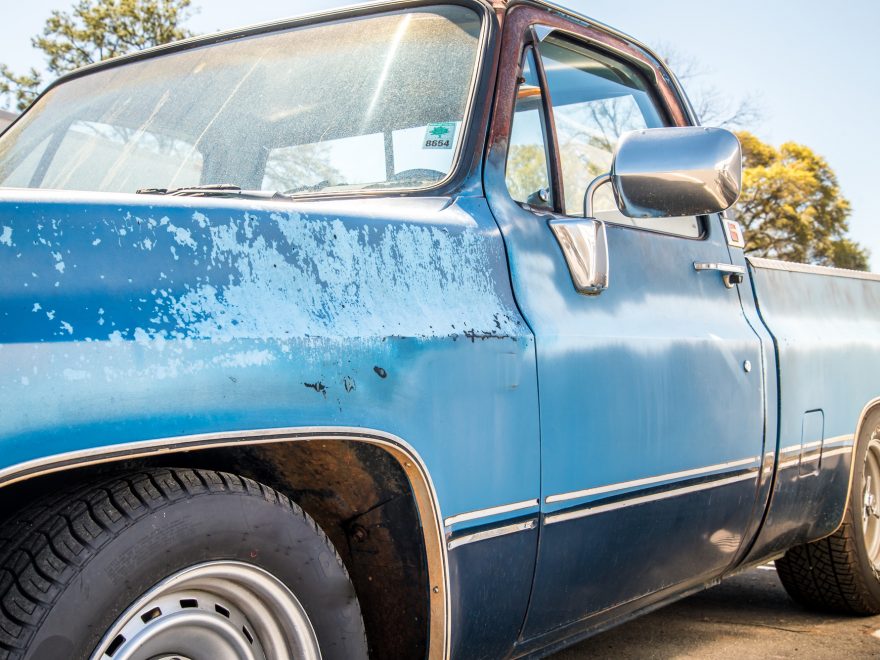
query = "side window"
x=528 y=178
x=595 y=99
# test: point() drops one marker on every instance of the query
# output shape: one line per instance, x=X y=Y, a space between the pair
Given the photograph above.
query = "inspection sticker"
x=439 y=136
x=734 y=233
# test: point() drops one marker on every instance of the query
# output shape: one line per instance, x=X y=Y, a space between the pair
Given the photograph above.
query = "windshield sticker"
x=439 y=136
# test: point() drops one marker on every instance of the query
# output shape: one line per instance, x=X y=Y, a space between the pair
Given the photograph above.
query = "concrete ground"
x=747 y=616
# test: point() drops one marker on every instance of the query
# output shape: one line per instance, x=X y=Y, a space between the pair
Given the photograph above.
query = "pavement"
x=747 y=616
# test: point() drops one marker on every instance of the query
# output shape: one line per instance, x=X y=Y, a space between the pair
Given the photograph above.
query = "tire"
x=201 y=555
x=841 y=573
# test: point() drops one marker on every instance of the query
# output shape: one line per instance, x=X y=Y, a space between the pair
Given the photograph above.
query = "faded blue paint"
x=127 y=318
x=134 y=318
x=827 y=336
x=641 y=381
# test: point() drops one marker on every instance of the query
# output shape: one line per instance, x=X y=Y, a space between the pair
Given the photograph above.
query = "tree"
x=792 y=208
x=92 y=31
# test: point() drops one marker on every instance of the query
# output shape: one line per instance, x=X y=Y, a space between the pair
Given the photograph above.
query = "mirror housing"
x=673 y=172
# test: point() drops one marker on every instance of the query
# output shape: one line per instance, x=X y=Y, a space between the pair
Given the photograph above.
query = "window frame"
x=547 y=124
x=661 y=86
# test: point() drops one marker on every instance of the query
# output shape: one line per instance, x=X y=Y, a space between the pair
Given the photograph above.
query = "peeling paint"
x=6 y=236
x=181 y=236
x=245 y=359
x=219 y=291
x=330 y=279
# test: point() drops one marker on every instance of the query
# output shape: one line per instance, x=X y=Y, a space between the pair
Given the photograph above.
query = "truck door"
x=651 y=394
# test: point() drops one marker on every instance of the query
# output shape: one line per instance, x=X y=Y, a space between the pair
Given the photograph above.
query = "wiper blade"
x=213 y=190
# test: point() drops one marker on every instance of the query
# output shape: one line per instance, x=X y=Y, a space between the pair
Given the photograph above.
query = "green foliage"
x=92 y=31
x=792 y=208
x=20 y=88
x=526 y=170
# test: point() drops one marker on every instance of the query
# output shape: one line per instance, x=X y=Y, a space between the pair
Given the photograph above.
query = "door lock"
x=731 y=274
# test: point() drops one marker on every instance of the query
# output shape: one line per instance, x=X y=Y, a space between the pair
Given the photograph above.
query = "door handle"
x=730 y=273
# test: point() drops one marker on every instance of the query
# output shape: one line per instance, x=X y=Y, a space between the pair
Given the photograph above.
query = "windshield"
x=368 y=103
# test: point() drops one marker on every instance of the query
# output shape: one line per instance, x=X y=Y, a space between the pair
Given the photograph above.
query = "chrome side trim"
x=792 y=267
x=491 y=534
x=420 y=479
x=491 y=511
x=563 y=516
x=813 y=451
x=672 y=476
x=838 y=441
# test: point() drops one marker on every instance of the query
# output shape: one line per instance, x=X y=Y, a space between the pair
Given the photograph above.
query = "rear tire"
x=841 y=573
x=164 y=557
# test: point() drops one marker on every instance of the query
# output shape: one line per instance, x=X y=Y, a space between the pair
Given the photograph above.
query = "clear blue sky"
x=810 y=63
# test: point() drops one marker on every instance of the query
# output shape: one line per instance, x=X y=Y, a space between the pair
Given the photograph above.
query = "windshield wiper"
x=213 y=190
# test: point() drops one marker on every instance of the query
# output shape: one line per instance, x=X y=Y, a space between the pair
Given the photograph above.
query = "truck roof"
x=348 y=10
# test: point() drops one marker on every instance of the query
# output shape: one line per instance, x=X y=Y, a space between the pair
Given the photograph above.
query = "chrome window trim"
x=492 y=511
x=572 y=514
x=671 y=476
x=410 y=461
x=794 y=267
x=491 y=533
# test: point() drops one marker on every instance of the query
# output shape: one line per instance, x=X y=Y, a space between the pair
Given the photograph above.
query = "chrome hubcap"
x=871 y=501
x=223 y=610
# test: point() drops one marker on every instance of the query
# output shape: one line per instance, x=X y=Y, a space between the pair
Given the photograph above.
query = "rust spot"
x=380 y=372
x=318 y=387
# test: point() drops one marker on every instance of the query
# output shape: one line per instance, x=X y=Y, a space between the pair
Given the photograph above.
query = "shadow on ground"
x=747 y=616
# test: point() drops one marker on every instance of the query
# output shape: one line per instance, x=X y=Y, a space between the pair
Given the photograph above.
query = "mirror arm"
x=595 y=184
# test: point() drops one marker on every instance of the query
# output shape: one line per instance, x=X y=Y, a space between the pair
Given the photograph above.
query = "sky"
x=809 y=64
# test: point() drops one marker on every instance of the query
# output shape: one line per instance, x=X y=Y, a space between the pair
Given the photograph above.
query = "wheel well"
x=357 y=492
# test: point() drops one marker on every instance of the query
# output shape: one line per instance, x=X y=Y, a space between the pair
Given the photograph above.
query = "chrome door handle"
x=730 y=273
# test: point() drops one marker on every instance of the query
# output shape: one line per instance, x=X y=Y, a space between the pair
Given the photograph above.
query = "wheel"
x=841 y=573
x=174 y=563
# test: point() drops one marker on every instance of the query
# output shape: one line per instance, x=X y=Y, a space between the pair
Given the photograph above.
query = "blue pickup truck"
x=407 y=330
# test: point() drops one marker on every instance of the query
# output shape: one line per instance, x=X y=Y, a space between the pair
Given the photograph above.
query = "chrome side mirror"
x=673 y=172
x=655 y=173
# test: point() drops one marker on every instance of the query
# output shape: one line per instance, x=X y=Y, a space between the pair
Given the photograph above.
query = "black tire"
x=835 y=574
x=71 y=565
